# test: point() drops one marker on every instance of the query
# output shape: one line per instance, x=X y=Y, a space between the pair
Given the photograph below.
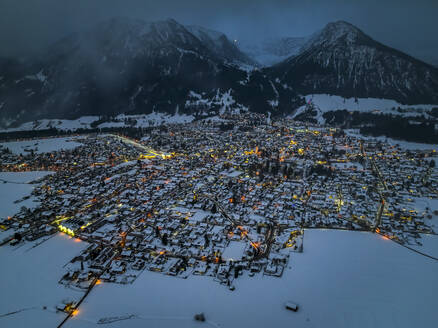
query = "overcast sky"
x=27 y=26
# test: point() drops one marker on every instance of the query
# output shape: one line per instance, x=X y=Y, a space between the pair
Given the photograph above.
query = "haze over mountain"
x=273 y=50
x=130 y=66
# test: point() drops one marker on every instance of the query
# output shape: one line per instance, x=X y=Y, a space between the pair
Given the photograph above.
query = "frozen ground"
x=343 y=279
x=85 y=122
x=234 y=251
x=328 y=103
x=429 y=242
x=29 y=276
x=403 y=144
x=40 y=145
x=29 y=279
x=14 y=186
x=429 y=245
x=152 y=119
x=81 y=123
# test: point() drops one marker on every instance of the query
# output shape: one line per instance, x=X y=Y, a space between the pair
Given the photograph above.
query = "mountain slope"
x=344 y=61
x=274 y=50
x=219 y=44
x=131 y=66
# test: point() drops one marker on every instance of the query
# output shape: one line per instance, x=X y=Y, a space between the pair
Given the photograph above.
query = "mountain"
x=219 y=44
x=273 y=50
x=129 y=66
x=134 y=67
x=344 y=61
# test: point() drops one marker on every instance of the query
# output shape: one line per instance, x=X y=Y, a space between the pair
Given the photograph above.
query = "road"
x=269 y=237
x=376 y=170
x=149 y=151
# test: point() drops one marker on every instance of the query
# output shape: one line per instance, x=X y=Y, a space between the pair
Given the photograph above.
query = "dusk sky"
x=29 y=26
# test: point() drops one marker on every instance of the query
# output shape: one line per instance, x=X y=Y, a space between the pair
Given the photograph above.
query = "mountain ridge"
x=343 y=60
x=130 y=66
x=125 y=66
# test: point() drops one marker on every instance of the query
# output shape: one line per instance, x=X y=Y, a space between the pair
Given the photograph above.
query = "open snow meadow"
x=30 y=275
x=15 y=186
x=40 y=146
x=342 y=279
x=347 y=279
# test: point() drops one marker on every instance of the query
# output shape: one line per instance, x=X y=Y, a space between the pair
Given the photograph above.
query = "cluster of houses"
x=221 y=197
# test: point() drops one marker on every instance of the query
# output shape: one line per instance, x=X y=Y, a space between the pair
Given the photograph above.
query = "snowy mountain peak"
x=122 y=37
x=342 y=25
x=342 y=60
x=337 y=32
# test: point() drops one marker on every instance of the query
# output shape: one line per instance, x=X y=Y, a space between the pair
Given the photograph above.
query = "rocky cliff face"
x=342 y=60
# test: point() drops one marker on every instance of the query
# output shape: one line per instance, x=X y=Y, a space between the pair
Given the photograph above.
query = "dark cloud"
x=30 y=25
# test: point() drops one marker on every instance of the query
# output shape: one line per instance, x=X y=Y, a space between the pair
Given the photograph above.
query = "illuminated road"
x=150 y=153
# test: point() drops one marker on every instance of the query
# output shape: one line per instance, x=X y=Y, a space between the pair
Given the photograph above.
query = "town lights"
x=85 y=225
x=66 y=230
x=255 y=245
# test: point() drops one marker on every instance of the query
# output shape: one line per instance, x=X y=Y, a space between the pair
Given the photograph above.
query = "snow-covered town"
x=225 y=198
x=218 y=164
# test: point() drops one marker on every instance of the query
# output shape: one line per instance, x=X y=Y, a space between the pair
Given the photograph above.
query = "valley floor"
x=342 y=279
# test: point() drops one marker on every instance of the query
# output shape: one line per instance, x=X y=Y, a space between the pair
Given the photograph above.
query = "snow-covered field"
x=403 y=144
x=328 y=103
x=81 y=123
x=146 y=120
x=429 y=245
x=153 y=119
x=325 y=103
x=14 y=186
x=429 y=242
x=29 y=276
x=41 y=145
x=343 y=279
x=29 y=282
